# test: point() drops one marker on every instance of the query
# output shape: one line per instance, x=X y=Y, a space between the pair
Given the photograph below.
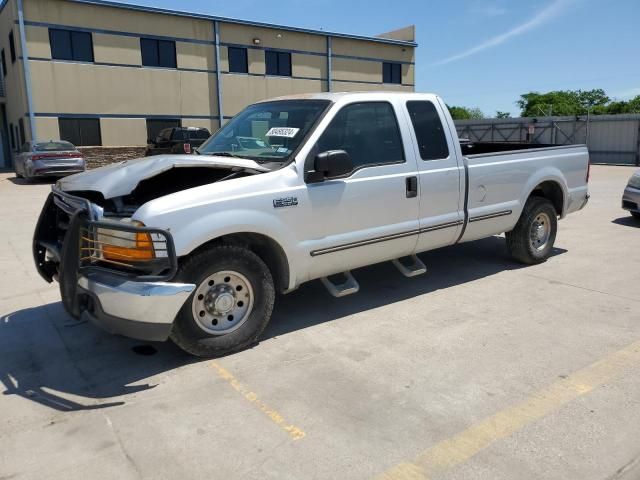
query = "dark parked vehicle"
x=43 y=159
x=177 y=140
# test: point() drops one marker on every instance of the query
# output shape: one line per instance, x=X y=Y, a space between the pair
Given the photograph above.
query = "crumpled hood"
x=122 y=178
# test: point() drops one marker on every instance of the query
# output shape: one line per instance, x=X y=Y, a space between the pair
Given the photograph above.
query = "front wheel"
x=532 y=239
x=231 y=304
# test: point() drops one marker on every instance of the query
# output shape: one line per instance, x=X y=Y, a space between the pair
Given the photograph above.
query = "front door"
x=369 y=215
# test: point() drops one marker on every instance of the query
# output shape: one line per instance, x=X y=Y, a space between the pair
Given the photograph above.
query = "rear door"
x=440 y=173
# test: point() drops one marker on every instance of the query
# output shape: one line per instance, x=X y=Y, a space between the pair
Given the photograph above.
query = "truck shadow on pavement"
x=49 y=358
x=383 y=284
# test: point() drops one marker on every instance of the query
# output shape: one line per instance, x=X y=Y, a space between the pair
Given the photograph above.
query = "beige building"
x=101 y=73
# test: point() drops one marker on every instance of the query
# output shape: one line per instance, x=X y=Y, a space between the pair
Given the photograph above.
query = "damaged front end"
x=115 y=271
x=111 y=273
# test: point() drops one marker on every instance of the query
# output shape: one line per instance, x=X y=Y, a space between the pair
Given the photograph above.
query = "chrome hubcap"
x=540 y=231
x=222 y=302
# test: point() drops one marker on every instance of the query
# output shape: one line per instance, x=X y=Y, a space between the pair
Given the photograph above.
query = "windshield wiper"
x=226 y=154
x=220 y=154
x=255 y=159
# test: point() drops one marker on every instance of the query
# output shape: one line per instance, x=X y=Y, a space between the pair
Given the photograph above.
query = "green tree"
x=634 y=105
x=589 y=99
x=631 y=106
x=500 y=114
x=464 y=113
x=563 y=102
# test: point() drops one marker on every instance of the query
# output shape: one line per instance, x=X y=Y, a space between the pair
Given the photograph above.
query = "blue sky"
x=479 y=53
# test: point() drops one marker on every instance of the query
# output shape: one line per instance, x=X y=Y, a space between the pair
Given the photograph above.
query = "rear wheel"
x=532 y=239
x=231 y=304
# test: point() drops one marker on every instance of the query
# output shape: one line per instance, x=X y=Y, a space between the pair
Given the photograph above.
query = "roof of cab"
x=335 y=96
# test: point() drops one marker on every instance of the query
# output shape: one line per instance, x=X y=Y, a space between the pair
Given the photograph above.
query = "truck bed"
x=500 y=177
x=479 y=148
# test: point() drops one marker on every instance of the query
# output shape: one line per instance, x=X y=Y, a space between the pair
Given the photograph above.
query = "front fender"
x=197 y=231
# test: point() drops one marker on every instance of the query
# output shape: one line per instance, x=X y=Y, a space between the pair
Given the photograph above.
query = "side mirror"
x=329 y=164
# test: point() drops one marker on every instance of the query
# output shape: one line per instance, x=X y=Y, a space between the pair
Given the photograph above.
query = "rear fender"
x=546 y=174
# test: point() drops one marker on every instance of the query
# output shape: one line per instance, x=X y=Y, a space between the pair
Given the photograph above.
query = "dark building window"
x=432 y=141
x=23 y=137
x=391 y=72
x=155 y=125
x=4 y=63
x=13 y=136
x=278 y=63
x=80 y=131
x=238 y=60
x=158 y=53
x=71 y=45
x=12 y=47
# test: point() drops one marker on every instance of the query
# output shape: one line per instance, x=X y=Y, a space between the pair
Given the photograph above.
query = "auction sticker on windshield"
x=286 y=132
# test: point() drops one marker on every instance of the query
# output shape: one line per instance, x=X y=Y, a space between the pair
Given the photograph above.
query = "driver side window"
x=368 y=132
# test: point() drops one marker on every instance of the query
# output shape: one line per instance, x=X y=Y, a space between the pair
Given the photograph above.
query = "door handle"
x=412 y=187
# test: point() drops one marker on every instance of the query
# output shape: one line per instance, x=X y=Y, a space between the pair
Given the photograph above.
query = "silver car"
x=52 y=158
x=631 y=195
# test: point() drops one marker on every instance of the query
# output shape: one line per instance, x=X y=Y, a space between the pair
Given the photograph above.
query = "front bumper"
x=122 y=297
x=631 y=199
x=142 y=310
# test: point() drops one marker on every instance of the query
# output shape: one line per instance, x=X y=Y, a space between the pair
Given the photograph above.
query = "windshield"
x=269 y=131
x=58 y=146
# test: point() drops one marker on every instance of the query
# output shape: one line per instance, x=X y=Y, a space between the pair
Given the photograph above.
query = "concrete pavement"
x=482 y=368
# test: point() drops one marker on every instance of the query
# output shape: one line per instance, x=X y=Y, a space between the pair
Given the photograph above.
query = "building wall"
x=15 y=100
x=359 y=61
x=122 y=93
x=116 y=88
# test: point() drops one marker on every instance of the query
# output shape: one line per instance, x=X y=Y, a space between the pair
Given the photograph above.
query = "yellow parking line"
x=272 y=414
x=459 y=448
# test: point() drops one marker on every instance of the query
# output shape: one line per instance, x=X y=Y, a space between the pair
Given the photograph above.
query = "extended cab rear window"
x=432 y=142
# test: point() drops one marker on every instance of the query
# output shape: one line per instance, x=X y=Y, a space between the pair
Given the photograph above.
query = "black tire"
x=636 y=215
x=189 y=335
x=18 y=175
x=519 y=241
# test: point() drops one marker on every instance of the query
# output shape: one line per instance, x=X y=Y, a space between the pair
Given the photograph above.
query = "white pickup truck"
x=195 y=247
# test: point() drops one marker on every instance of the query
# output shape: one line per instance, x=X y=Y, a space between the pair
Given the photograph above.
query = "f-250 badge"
x=285 y=202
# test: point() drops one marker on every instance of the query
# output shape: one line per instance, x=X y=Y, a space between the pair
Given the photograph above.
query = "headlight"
x=123 y=246
x=634 y=181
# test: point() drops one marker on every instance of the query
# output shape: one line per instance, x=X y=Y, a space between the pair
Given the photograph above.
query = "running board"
x=349 y=286
x=412 y=270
